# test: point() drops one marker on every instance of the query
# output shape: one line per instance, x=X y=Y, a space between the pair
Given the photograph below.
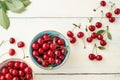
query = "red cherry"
x=103 y=3
x=41 y=51
x=92 y=28
x=72 y=40
x=52 y=46
x=70 y=34
x=11 y=52
x=16 y=78
x=93 y=35
x=4 y=70
x=62 y=57
x=99 y=57
x=12 y=40
x=35 y=53
x=103 y=42
x=39 y=61
x=112 y=19
x=100 y=37
x=98 y=24
x=57 y=61
x=46 y=37
x=89 y=39
x=28 y=76
x=10 y=64
x=50 y=53
x=23 y=65
x=45 y=46
x=28 y=70
x=2 y=77
x=45 y=57
x=117 y=11
x=80 y=34
x=35 y=46
x=20 y=44
x=56 y=38
x=60 y=42
x=40 y=41
x=9 y=76
x=14 y=72
x=63 y=51
x=10 y=70
x=51 y=60
x=17 y=65
x=91 y=56
x=45 y=64
x=57 y=53
x=108 y=14
x=21 y=73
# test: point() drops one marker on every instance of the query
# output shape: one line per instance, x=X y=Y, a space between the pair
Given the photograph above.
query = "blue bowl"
x=51 y=33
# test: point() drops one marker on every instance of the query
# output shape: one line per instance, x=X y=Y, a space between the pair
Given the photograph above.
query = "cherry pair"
x=93 y=57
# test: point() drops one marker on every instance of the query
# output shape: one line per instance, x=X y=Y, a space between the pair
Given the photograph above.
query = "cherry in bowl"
x=15 y=69
x=49 y=49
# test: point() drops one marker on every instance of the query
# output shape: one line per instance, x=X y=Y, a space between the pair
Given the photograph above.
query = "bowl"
x=10 y=68
x=52 y=57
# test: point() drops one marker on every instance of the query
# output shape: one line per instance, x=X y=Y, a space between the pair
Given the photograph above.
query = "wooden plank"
x=63 y=8
x=26 y=28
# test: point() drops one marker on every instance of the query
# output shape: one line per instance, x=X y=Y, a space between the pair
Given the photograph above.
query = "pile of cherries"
x=16 y=70
x=49 y=50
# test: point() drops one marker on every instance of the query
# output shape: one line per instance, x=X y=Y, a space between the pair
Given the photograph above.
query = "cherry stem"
x=94 y=48
x=2 y=42
x=107 y=29
x=87 y=30
x=76 y=26
x=96 y=8
x=40 y=59
x=101 y=15
x=84 y=43
x=24 y=54
x=90 y=19
x=113 y=4
x=3 y=54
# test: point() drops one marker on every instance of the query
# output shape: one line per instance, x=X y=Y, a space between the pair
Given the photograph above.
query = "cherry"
x=50 y=53
x=103 y=42
x=28 y=70
x=62 y=57
x=103 y=3
x=45 y=57
x=91 y=28
x=46 y=37
x=52 y=46
x=35 y=53
x=28 y=76
x=89 y=39
x=21 y=73
x=112 y=19
x=60 y=42
x=16 y=78
x=41 y=51
x=51 y=60
x=56 y=38
x=91 y=56
x=12 y=40
x=17 y=64
x=15 y=72
x=10 y=70
x=108 y=14
x=100 y=37
x=93 y=35
x=9 y=76
x=45 y=46
x=72 y=40
x=117 y=11
x=57 y=61
x=20 y=44
x=98 y=24
x=10 y=64
x=4 y=70
x=39 y=61
x=40 y=41
x=80 y=34
x=99 y=57
x=57 y=53
x=11 y=52
x=23 y=65
x=2 y=77
x=70 y=34
x=45 y=64
x=63 y=51
x=35 y=46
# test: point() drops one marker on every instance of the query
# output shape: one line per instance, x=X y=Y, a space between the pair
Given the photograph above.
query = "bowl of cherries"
x=49 y=49
x=15 y=69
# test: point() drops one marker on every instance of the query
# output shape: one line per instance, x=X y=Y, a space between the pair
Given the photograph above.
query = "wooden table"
x=60 y=15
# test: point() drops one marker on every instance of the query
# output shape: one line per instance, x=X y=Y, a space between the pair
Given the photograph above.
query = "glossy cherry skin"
x=100 y=37
x=103 y=3
x=89 y=39
x=93 y=35
x=20 y=44
x=70 y=34
x=112 y=19
x=98 y=24
x=35 y=46
x=91 y=56
x=108 y=14
x=103 y=43
x=80 y=34
x=72 y=40
x=99 y=57
x=91 y=28
x=11 y=52
x=12 y=40
x=117 y=11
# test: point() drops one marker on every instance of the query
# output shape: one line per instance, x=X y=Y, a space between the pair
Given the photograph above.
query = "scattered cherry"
x=98 y=24
x=20 y=44
x=12 y=40
x=72 y=40
x=112 y=19
x=117 y=11
x=93 y=35
x=103 y=42
x=108 y=14
x=70 y=34
x=91 y=56
x=11 y=52
x=100 y=37
x=103 y=3
x=91 y=28
x=89 y=39
x=80 y=34
x=98 y=57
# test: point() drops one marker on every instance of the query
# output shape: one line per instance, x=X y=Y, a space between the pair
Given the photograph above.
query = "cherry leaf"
x=109 y=36
x=100 y=31
x=101 y=48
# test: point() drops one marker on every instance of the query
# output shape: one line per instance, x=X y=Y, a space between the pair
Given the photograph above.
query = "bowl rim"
x=50 y=68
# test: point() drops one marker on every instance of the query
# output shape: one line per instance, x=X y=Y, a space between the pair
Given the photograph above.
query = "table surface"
x=59 y=16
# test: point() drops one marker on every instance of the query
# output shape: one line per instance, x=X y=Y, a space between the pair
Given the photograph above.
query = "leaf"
x=25 y=2
x=101 y=48
x=15 y=5
x=4 y=20
x=100 y=31
x=109 y=36
x=4 y=7
x=86 y=29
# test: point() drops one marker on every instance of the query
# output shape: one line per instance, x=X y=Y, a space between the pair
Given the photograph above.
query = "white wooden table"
x=60 y=15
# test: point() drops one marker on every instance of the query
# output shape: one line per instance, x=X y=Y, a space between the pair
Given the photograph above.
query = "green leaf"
x=25 y=2
x=100 y=31
x=109 y=36
x=3 y=5
x=4 y=20
x=101 y=48
x=15 y=5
